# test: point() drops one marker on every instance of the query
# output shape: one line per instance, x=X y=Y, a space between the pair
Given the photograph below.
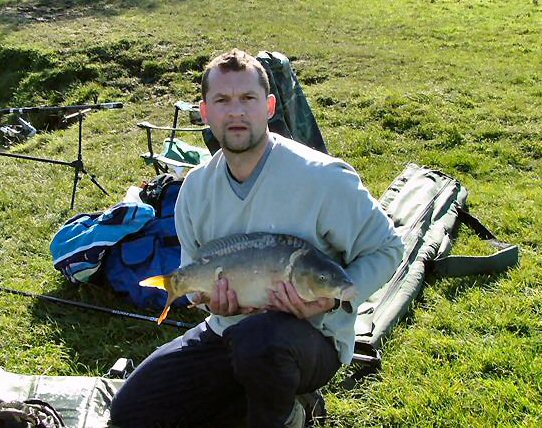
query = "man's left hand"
x=286 y=299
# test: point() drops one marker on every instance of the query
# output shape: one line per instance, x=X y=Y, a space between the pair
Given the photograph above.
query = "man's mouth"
x=237 y=128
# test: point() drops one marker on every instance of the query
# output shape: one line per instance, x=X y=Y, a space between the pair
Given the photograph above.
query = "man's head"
x=236 y=102
x=234 y=60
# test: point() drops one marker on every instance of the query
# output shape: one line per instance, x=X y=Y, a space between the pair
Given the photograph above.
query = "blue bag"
x=153 y=250
x=81 y=243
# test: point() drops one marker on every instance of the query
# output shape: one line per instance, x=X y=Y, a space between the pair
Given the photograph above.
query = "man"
x=248 y=362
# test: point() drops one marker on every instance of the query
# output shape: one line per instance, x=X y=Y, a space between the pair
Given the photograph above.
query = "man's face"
x=237 y=109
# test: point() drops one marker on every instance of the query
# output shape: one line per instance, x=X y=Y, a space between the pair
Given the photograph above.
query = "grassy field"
x=455 y=85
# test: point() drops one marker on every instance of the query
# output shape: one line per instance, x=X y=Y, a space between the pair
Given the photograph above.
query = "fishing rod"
x=23 y=110
x=179 y=324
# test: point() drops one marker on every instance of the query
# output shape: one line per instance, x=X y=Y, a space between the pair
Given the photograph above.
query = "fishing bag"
x=153 y=250
x=125 y=244
x=426 y=207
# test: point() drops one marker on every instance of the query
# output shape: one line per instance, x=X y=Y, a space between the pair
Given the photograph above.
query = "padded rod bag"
x=426 y=207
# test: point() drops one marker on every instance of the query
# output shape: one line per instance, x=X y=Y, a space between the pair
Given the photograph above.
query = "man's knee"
x=120 y=406
x=259 y=347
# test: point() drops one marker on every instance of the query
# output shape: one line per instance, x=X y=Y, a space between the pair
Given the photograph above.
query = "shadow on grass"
x=93 y=339
x=453 y=288
x=15 y=14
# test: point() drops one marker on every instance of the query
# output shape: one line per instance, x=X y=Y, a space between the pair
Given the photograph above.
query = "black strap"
x=461 y=265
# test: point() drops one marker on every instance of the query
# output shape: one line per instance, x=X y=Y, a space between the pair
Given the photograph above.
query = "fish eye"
x=322 y=277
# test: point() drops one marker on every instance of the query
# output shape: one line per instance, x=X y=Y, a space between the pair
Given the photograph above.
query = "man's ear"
x=271 y=105
x=203 y=111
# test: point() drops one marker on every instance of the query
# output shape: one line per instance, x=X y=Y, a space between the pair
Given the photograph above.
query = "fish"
x=254 y=263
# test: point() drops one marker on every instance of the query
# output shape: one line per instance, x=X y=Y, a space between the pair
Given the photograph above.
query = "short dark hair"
x=234 y=60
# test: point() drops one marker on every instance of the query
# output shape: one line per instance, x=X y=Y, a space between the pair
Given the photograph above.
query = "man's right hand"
x=222 y=301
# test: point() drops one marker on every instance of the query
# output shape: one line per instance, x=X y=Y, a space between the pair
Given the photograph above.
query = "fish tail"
x=159 y=281
x=164 y=313
x=164 y=283
x=170 y=299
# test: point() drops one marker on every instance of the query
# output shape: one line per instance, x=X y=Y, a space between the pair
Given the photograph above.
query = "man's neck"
x=242 y=165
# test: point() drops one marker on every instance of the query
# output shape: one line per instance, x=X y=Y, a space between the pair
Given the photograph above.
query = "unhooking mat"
x=83 y=402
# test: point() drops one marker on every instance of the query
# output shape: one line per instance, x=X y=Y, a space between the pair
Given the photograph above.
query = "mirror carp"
x=253 y=264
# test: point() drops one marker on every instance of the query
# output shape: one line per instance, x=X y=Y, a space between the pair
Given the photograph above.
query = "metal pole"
x=32 y=158
x=110 y=311
x=78 y=164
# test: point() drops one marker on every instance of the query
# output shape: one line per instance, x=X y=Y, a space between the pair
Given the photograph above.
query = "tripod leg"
x=93 y=179
x=156 y=166
x=76 y=179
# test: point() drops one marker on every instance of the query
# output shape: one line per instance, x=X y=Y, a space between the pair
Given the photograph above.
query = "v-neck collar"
x=242 y=189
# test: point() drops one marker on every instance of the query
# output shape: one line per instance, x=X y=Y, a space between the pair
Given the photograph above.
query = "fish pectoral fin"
x=219 y=273
x=159 y=281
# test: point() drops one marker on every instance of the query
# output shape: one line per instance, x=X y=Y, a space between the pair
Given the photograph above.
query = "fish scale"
x=243 y=241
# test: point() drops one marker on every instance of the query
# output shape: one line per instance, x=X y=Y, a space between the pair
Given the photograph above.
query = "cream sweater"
x=301 y=192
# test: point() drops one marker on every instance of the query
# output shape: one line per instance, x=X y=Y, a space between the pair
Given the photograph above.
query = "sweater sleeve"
x=355 y=224
x=183 y=225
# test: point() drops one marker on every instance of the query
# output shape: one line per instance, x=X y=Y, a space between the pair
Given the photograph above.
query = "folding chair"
x=177 y=155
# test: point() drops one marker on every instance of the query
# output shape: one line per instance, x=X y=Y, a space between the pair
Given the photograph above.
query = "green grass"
x=453 y=85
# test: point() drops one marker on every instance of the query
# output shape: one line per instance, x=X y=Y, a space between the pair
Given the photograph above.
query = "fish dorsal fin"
x=243 y=241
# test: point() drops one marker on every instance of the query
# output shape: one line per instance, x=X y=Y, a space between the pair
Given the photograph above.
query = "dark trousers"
x=252 y=373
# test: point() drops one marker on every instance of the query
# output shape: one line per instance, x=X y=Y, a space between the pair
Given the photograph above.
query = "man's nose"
x=236 y=108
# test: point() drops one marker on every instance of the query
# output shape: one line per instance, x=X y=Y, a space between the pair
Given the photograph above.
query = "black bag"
x=153 y=192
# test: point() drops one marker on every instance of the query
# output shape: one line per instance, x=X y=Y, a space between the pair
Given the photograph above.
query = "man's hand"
x=286 y=299
x=222 y=301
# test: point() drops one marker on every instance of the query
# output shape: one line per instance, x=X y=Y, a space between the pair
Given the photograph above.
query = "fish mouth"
x=349 y=293
x=347 y=307
x=346 y=295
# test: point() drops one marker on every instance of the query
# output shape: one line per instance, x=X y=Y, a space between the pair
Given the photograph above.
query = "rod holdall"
x=427 y=207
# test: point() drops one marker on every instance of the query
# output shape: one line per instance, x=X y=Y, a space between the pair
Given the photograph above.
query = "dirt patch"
x=42 y=13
